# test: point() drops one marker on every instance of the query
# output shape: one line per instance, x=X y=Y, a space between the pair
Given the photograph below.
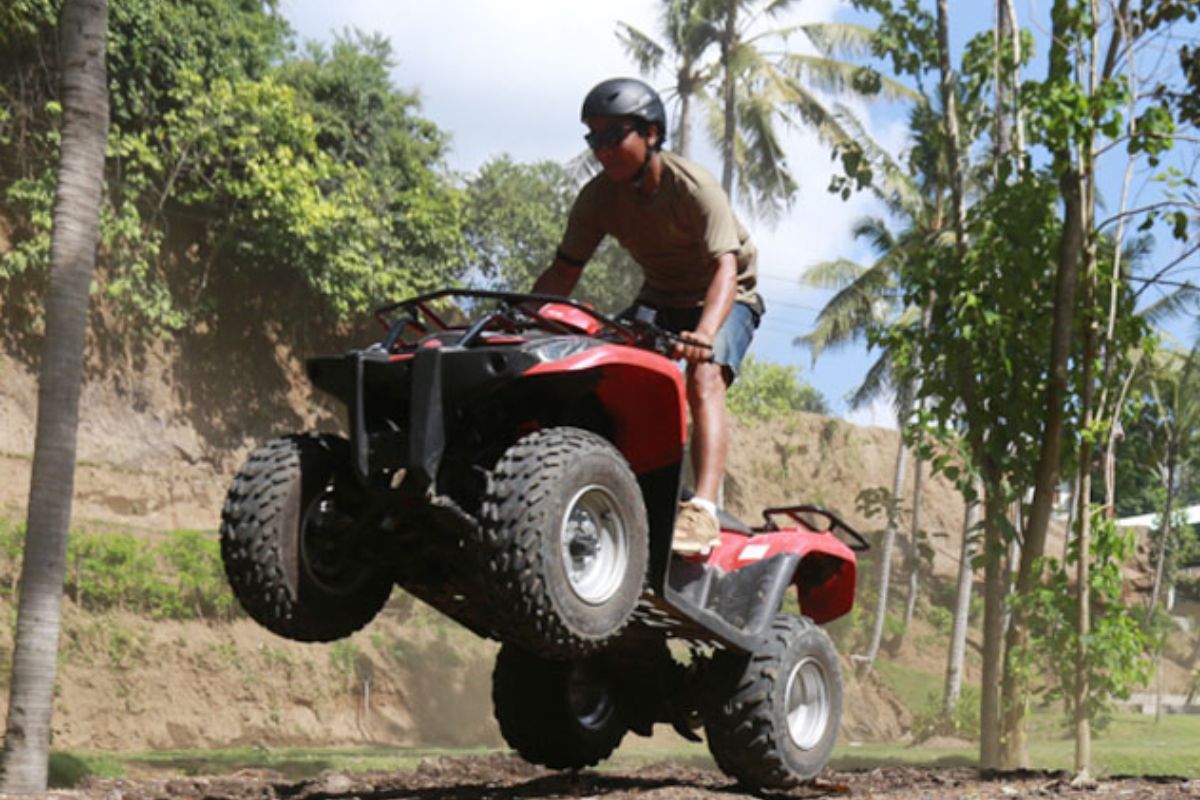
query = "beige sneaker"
x=696 y=531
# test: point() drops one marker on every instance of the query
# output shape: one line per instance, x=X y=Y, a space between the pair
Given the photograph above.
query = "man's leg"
x=696 y=527
x=710 y=428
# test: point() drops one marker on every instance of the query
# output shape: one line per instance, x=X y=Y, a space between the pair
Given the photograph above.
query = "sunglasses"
x=610 y=136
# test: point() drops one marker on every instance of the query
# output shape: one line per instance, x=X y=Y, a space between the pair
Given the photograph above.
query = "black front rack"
x=418 y=315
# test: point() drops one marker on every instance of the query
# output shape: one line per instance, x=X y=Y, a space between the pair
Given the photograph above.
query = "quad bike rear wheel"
x=772 y=716
x=564 y=542
x=559 y=714
x=285 y=535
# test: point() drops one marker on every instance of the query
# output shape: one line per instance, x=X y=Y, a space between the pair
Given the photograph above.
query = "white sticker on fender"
x=753 y=552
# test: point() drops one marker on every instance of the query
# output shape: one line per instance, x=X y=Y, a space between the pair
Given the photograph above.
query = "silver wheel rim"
x=588 y=698
x=595 y=544
x=807 y=703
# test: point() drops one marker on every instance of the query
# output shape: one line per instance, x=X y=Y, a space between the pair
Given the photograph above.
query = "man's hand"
x=694 y=347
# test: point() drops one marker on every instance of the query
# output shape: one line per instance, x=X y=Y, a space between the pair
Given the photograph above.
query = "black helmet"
x=626 y=97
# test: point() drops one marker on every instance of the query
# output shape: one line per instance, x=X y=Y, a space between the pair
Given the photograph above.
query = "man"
x=698 y=264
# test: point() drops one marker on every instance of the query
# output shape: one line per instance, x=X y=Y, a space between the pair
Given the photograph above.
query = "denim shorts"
x=732 y=340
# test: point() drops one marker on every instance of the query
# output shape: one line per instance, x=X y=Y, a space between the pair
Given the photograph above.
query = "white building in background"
x=1188 y=516
x=1182 y=516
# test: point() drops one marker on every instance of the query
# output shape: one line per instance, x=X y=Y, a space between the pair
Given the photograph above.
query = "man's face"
x=617 y=145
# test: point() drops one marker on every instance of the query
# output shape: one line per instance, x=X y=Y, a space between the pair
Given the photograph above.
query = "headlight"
x=560 y=347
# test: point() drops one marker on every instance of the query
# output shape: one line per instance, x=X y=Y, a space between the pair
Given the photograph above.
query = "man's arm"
x=559 y=279
x=718 y=302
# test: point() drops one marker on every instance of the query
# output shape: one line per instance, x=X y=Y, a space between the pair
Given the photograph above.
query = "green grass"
x=1132 y=744
x=294 y=763
x=912 y=687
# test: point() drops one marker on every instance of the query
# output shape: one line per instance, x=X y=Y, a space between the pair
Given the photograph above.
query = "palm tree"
x=689 y=34
x=750 y=88
x=765 y=81
x=867 y=296
x=1172 y=387
x=83 y=27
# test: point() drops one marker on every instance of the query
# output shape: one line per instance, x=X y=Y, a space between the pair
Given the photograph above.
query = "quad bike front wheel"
x=772 y=716
x=286 y=542
x=559 y=714
x=564 y=542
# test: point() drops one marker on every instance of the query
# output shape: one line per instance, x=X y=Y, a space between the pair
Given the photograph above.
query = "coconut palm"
x=757 y=81
x=83 y=28
x=867 y=296
x=688 y=34
x=766 y=81
x=1172 y=386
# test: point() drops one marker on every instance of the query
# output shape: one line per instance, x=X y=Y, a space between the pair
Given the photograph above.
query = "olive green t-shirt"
x=675 y=234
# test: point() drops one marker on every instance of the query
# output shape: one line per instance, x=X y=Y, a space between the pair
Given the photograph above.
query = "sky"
x=508 y=77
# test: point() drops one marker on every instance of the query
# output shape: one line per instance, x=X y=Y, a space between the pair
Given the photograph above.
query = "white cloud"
x=510 y=76
x=879 y=414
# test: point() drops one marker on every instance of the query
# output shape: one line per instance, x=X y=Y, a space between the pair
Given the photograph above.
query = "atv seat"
x=731 y=523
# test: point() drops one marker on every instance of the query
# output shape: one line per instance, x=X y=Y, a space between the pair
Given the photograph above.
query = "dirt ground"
x=504 y=777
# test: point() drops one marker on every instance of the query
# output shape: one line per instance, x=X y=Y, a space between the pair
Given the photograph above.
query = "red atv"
x=521 y=472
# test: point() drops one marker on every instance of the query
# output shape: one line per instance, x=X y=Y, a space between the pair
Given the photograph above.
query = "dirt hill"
x=154 y=457
x=160 y=436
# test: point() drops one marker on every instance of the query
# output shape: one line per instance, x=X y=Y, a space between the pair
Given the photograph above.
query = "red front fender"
x=643 y=394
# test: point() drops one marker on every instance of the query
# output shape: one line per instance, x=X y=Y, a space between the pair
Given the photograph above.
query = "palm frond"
x=1182 y=300
x=841 y=77
x=896 y=186
x=846 y=316
x=839 y=38
x=876 y=383
x=645 y=52
x=582 y=167
x=763 y=173
x=875 y=231
x=833 y=274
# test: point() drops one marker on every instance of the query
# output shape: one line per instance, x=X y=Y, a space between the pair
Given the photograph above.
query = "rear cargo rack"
x=803 y=513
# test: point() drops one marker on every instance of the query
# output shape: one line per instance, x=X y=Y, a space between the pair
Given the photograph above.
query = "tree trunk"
x=1046 y=481
x=995 y=571
x=1160 y=557
x=914 y=548
x=885 y=562
x=83 y=30
x=729 y=98
x=683 y=136
x=1083 y=728
x=1002 y=124
x=1010 y=128
x=962 y=612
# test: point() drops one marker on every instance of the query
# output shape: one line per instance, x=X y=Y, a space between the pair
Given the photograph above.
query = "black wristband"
x=566 y=259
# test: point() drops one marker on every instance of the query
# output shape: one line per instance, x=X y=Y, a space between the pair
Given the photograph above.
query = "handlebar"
x=416 y=314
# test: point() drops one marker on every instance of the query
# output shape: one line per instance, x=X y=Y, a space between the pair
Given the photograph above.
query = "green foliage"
x=942 y=619
x=193 y=563
x=515 y=218
x=929 y=721
x=179 y=577
x=1116 y=646
x=234 y=164
x=764 y=390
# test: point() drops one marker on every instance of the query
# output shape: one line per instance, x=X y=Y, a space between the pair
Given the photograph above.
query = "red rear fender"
x=824 y=581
